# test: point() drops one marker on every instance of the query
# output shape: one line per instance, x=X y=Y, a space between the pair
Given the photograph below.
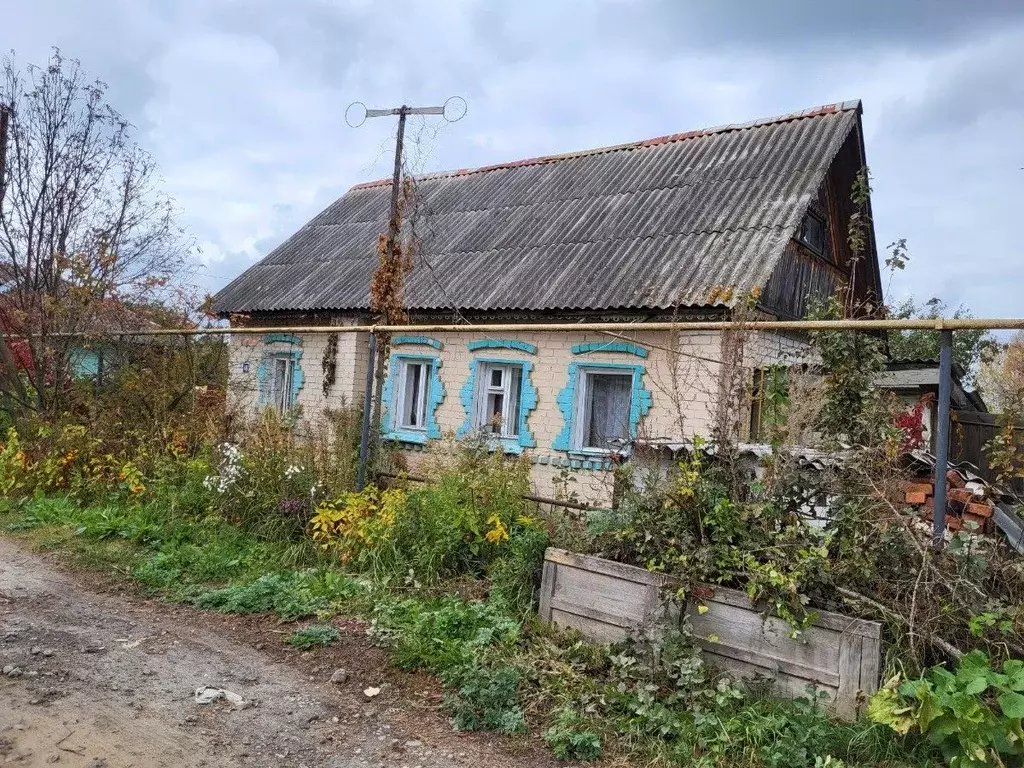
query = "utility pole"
x=378 y=351
x=5 y=119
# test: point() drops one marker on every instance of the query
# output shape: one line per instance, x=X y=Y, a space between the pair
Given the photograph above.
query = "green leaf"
x=887 y=708
x=1012 y=704
x=1014 y=671
x=975 y=662
x=976 y=685
x=929 y=710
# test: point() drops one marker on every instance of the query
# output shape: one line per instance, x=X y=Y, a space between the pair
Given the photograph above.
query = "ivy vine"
x=329 y=364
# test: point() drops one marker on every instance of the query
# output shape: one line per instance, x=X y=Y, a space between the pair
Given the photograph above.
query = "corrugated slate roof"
x=650 y=225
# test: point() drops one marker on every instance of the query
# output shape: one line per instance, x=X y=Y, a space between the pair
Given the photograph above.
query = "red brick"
x=979 y=509
x=954 y=523
x=962 y=495
x=915 y=497
x=954 y=479
x=925 y=488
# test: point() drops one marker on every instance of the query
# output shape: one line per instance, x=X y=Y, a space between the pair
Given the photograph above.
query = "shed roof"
x=694 y=219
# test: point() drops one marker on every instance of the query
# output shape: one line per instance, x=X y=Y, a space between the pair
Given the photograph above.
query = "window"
x=411 y=395
x=497 y=399
x=812 y=233
x=282 y=390
x=603 y=405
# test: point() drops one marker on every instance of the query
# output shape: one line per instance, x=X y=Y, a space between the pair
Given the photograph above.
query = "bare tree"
x=84 y=226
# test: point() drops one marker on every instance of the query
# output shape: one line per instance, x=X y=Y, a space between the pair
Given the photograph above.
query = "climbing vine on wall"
x=329 y=364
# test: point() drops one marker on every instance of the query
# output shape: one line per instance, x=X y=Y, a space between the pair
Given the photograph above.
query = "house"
x=21 y=313
x=750 y=218
x=916 y=384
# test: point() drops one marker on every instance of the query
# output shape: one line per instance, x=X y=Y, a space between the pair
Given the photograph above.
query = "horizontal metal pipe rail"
x=940 y=324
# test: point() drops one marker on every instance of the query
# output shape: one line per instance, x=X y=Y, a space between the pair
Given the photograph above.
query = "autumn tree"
x=970 y=347
x=85 y=229
x=1002 y=378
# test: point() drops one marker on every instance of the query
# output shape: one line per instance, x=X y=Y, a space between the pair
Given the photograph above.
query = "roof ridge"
x=825 y=109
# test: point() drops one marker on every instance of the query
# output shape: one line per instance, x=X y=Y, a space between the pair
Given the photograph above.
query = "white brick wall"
x=683 y=374
x=350 y=371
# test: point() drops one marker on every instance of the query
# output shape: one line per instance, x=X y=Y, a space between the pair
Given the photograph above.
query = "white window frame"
x=283 y=399
x=512 y=401
x=581 y=413
x=402 y=382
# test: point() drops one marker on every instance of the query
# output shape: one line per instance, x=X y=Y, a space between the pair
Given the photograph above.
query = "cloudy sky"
x=242 y=101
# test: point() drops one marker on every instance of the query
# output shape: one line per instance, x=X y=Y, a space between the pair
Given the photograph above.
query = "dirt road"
x=104 y=680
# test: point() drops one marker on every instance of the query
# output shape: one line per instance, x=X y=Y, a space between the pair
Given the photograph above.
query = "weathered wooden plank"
x=570 y=607
x=602 y=592
x=870 y=664
x=746 y=629
x=849 y=676
x=547 y=589
x=773 y=663
x=606 y=567
x=824 y=619
x=595 y=631
x=787 y=686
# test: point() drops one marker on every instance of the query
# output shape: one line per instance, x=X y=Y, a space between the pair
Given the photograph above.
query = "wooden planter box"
x=609 y=602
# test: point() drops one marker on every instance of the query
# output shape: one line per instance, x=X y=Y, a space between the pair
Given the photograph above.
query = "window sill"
x=594 y=452
x=419 y=438
x=509 y=445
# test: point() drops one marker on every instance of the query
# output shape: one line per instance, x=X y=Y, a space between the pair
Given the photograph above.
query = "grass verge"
x=502 y=673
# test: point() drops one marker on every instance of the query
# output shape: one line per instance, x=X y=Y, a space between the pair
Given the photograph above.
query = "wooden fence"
x=608 y=602
x=970 y=432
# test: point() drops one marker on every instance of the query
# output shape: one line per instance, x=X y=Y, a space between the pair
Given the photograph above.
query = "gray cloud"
x=242 y=102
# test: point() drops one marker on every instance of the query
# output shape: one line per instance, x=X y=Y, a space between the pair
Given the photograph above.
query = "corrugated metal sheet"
x=660 y=223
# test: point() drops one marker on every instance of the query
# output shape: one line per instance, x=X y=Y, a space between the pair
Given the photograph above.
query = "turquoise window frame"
x=520 y=346
x=282 y=338
x=616 y=347
x=527 y=404
x=264 y=370
x=435 y=396
x=639 y=404
x=425 y=341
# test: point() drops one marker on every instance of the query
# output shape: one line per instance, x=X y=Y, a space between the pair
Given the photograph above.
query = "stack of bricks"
x=967 y=508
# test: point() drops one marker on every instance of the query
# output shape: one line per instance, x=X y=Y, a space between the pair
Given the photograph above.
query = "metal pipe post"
x=942 y=438
x=364 y=443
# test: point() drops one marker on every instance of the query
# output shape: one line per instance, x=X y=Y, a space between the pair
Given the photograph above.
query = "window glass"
x=812 y=233
x=606 y=401
x=496 y=405
x=412 y=384
x=281 y=384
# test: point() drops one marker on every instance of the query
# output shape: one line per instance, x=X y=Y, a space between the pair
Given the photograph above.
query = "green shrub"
x=486 y=699
x=314 y=636
x=515 y=575
x=973 y=715
x=692 y=526
x=272 y=480
x=570 y=738
x=458 y=524
x=440 y=635
x=291 y=595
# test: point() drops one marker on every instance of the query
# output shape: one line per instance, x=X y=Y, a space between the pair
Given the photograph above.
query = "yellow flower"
x=498 y=533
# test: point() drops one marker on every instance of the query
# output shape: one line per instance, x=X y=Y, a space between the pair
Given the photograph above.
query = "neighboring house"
x=916 y=384
x=88 y=358
x=685 y=227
